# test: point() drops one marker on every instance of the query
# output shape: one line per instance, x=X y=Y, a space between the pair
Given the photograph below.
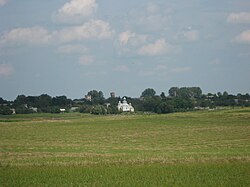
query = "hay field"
x=202 y=148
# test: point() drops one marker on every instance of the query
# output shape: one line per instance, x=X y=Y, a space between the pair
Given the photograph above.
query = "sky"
x=69 y=47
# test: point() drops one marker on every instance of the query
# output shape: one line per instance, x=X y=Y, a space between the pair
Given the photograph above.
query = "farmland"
x=202 y=148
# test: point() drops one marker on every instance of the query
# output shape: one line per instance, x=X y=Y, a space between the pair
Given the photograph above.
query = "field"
x=202 y=148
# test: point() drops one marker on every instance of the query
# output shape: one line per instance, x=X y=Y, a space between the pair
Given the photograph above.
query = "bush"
x=23 y=110
x=85 y=109
x=98 y=110
x=5 y=110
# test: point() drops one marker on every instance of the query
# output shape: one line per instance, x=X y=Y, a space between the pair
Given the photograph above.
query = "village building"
x=124 y=106
x=112 y=94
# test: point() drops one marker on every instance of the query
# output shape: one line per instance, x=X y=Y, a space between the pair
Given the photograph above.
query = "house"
x=62 y=110
x=124 y=106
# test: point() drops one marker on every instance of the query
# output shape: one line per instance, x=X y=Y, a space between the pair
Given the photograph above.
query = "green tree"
x=85 y=109
x=163 y=96
x=5 y=110
x=98 y=110
x=174 y=91
x=149 y=92
x=44 y=101
x=22 y=109
x=61 y=101
x=20 y=100
x=97 y=97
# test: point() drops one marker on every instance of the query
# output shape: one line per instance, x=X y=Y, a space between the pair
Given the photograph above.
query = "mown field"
x=203 y=148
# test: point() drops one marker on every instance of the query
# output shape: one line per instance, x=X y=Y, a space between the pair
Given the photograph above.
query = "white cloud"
x=160 y=47
x=151 y=17
x=131 y=38
x=76 y=10
x=31 y=36
x=242 y=17
x=244 y=37
x=94 y=29
x=86 y=60
x=125 y=36
x=121 y=68
x=3 y=2
x=72 y=49
x=6 y=70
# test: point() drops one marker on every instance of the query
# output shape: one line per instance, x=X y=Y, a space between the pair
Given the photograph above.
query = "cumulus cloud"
x=72 y=49
x=131 y=38
x=3 y=2
x=244 y=37
x=242 y=17
x=125 y=36
x=6 y=70
x=31 y=36
x=151 y=17
x=76 y=10
x=160 y=47
x=94 y=29
x=86 y=60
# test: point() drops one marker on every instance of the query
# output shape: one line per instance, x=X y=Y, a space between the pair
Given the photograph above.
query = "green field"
x=203 y=148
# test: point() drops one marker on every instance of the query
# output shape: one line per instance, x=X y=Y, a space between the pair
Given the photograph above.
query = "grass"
x=204 y=148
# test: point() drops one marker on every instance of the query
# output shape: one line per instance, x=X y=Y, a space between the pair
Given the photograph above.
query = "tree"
x=166 y=107
x=174 y=91
x=44 y=100
x=163 y=96
x=2 y=101
x=151 y=104
x=61 y=101
x=225 y=94
x=20 y=100
x=149 y=92
x=5 y=110
x=22 y=109
x=98 y=110
x=96 y=97
x=219 y=94
x=85 y=109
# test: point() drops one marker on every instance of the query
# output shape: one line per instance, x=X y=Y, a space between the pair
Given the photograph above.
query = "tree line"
x=177 y=99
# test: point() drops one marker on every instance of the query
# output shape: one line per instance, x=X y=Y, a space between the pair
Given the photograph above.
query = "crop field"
x=201 y=148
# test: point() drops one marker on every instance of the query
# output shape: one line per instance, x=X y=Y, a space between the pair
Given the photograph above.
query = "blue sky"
x=68 y=47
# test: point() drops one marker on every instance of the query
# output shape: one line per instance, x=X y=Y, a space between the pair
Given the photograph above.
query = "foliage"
x=149 y=92
x=98 y=110
x=5 y=110
x=179 y=99
x=85 y=109
x=23 y=109
x=97 y=97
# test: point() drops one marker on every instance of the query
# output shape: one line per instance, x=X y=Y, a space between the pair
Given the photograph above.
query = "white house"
x=124 y=106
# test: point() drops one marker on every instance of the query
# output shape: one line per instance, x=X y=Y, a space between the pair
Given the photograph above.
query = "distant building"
x=112 y=94
x=88 y=97
x=62 y=110
x=124 y=106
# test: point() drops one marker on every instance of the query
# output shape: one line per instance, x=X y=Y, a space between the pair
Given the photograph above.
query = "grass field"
x=203 y=148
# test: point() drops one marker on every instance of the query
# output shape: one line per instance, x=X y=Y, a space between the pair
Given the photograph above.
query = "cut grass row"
x=230 y=174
